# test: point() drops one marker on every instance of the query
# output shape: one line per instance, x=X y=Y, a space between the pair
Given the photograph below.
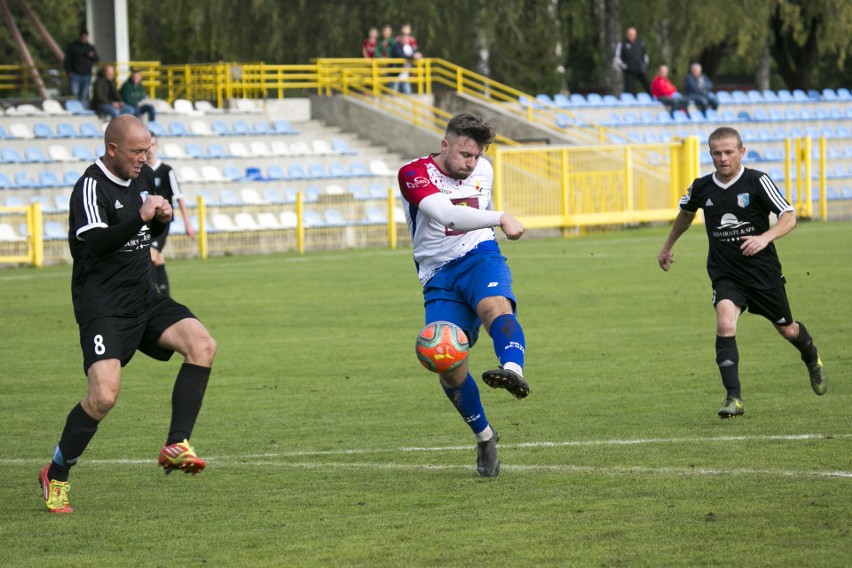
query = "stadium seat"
x=775 y=114
x=664 y=117
x=300 y=148
x=724 y=97
x=8 y=234
x=65 y=130
x=561 y=100
x=283 y=127
x=296 y=171
x=771 y=154
x=194 y=150
x=377 y=191
x=785 y=96
x=14 y=201
x=82 y=152
x=651 y=137
x=240 y=127
x=696 y=115
x=594 y=99
x=337 y=169
x=54 y=107
x=48 y=179
x=321 y=147
x=21 y=130
x=279 y=148
x=761 y=115
x=222 y=222
x=267 y=221
x=712 y=115
x=215 y=150
x=544 y=99
x=288 y=220
x=200 y=128
x=755 y=96
x=54 y=231
x=843 y=94
x=753 y=156
x=188 y=174
x=59 y=153
x=628 y=99
x=76 y=107
x=800 y=96
x=380 y=168
x=342 y=147
x=22 y=181
x=246 y=222
x=611 y=100
x=184 y=106
x=317 y=171
x=221 y=128
x=358 y=169
x=814 y=95
x=178 y=129
x=232 y=173
x=34 y=154
x=275 y=172
x=744 y=116
x=259 y=149
x=770 y=96
x=3 y=134
x=333 y=218
x=727 y=115
x=10 y=155
x=262 y=127
x=206 y=107
x=563 y=121
x=792 y=113
x=577 y=99
x=843 y=131
x=89 y=130
x=239 y=150
x=228 y=197
x=70 y=178
x=42 y=130
x=254 y=173
x=272 y=195
x=177 y=227
x=739 y=97
x=174 y=151
x=5 y=182
x=212 y=174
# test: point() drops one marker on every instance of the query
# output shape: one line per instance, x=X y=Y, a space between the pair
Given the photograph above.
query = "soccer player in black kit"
x=113 y=216
x=742 y=262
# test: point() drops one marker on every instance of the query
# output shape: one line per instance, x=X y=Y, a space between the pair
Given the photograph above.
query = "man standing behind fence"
x=80 y=55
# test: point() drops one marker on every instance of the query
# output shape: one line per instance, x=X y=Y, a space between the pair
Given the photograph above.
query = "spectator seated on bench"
x=665 y=91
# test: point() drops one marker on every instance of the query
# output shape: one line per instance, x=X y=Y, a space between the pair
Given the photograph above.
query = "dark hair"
x=473 y=127
x=84 y=31
x=725 y=132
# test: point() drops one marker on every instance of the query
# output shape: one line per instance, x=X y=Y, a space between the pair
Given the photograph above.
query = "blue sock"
x=466 y=399
x=508 y=338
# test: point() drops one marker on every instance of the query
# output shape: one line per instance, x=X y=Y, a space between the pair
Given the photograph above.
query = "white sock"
x=485 y=435
x=515 y=368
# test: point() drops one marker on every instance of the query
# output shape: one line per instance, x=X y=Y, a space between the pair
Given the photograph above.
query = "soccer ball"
x=441 y=346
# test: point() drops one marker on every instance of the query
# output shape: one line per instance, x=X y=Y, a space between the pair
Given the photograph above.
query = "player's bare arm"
x=756 y=243
x=512 y=228
x=681 y=223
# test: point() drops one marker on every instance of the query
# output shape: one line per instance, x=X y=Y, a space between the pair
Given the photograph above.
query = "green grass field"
x=329 y=444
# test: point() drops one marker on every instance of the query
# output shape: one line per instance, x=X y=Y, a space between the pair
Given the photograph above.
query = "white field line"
x=275 y=459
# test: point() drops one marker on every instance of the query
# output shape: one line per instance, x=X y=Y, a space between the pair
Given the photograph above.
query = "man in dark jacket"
x=105 y=98
x=79 y=57
x=698 y=88
x=631 y=56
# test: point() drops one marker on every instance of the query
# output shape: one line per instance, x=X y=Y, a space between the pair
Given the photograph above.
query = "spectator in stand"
x=133 y=93
x=631 y=56
x=105 y=98
x=405 y=47
x=698 y=88
x=384 y=47
x=368 y=46
x=79 y=57
x=665 y=91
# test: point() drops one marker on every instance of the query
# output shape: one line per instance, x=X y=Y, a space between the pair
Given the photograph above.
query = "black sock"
x=805 y=344
x=78 y=432
x=161 y=279
x=728 y=359
x=186 y=401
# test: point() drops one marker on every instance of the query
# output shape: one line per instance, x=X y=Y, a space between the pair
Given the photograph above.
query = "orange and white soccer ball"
x=442 y=346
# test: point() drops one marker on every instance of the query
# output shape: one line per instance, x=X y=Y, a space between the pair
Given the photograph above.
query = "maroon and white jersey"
x=434 y=244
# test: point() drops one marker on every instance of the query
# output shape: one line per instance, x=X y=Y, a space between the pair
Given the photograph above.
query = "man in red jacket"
x=665 y=91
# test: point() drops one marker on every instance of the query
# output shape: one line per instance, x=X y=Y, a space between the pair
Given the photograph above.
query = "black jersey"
x=738 y=209
x=165 y=182
x=117 y=282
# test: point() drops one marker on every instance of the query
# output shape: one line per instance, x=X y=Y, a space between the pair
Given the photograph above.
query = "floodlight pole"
x=22 y=48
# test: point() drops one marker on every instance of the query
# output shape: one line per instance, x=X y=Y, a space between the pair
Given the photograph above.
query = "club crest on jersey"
x=743 y=199
x=143 y=195
x=157 y=182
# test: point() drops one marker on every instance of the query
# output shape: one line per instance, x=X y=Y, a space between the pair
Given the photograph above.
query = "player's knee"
x=202 y=350
x=100 y=403
x=788 y=332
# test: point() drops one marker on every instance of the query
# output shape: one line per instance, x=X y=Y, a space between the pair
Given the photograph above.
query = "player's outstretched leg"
x=465 y=398
x=510 y=347
x=816 y=370
x=728 y=360
x=55 y=492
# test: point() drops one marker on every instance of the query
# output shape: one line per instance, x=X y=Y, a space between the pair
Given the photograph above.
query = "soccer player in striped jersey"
x=742 y=262
x=465 y=278
x=113 y=216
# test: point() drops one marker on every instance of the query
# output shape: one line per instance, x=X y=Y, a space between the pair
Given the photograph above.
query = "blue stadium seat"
x=89 y=130
x=283 y=127
x=740 y=97
x=755 y=96
x=49 y=179
x=630 y=118
x=54 y=231
x=785 y=96
x=561 y=100
x=253 y=173
x=178 y=129
x=272 y=195
x=23 y=181
x=70 y=178
x=563 y=121
x=578 y=100
x=646 y=117
x=611 y=100
x=232 y=173
x=34 y=154
x=10 y=155
x=359 y=192
x=5 y=182
x=544 y=99
x=42 y=130
x=228 y=197
x=796 y=132
x=814 y=95
x=221 y=128
x=765 y=135
x=781 y=133
x=375 y=216
x=800 y=96
x=215 y=150
x=663 y=117
x=358 y=169
x=829 y=95
x=240 y=127
x=296 y=171
x=761 y=115
x=333 y=218
x=792 y=113
x=770 y=96
x=712 y=115
x=262 y=127
x=342 y=147
x=594 y=99
x=82 y=152
x=843 y=94
x=771 y=154
x=628 y=99
x=727 y=115
x=65 y=130
x=337 y=169
x=753 y=156
x=696 y=115
x=156 y=128
x=749 y=135
x=820 y=113
x=651 y=137
x=317 y=171
x=76 y=107
x=724 y=97
x=194 y=150
x=645 y=99
x=680 y=116
x=613 y=120
x=843 y=131
x=275 y=172
x=744 y=116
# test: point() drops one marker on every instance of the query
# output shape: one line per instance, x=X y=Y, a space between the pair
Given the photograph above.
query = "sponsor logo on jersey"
x=708 y=203
x=730 y=221
x=493 y=284
x=743 y=199
x=781 y=321
x=118 y=204
x=419 y=181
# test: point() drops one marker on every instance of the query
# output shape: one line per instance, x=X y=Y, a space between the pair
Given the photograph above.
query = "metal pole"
x=22 y=48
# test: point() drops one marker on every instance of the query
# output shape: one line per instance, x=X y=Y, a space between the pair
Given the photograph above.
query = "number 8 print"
x=100 y=348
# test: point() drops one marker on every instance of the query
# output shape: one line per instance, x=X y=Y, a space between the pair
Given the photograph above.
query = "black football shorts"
x=770 y=303
x=119 y=337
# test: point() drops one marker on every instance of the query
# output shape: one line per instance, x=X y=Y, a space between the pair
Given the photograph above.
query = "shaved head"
x=126 y=142
x=119 y=128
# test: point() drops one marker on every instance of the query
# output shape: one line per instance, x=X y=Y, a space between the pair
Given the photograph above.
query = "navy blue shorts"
x=455 y=291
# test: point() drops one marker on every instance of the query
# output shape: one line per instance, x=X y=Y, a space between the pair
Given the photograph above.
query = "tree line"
x=534 y=45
